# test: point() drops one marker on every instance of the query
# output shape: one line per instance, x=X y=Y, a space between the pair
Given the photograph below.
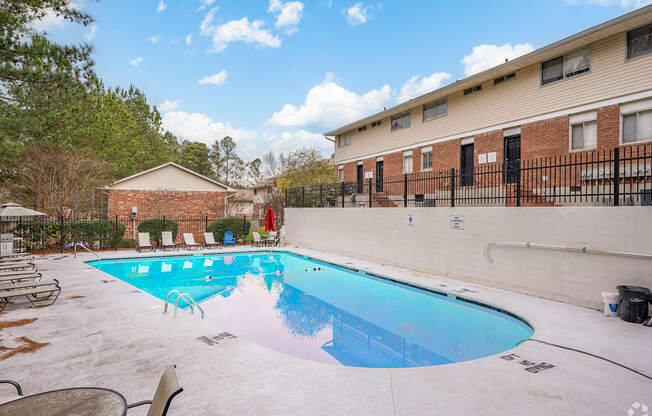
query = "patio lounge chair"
x=144 y=242
x=19 y=276
x=17 y=266
x=229 y=239
x=168 y=387
x=7 y=295
x=255 y=239
x=25 y=285
x=166 y=240
x=19 y=390
x=209 y=241
x=189 y=241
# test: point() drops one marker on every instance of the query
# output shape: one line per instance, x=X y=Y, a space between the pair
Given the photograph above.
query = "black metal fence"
x=610 y=177
x=59 y=235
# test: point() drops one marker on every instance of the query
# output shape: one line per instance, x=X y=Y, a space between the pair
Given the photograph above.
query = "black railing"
x=611 y=177
x=59 y=234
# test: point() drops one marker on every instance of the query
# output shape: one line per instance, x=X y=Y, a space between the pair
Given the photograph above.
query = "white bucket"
x=610 y=300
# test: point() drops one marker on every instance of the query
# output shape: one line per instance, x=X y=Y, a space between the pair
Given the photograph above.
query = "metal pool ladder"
x=189 y=300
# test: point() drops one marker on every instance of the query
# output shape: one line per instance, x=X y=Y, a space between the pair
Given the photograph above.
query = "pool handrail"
x=189 y=300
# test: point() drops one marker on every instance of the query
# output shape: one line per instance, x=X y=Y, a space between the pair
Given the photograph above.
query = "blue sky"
x=276 y=74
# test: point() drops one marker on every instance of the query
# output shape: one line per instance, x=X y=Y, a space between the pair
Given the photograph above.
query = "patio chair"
x=229 y=239
x=19 y=390
x=17 y=266
x=189 y=241
x=166 y=240
x=144 y=242
x=7 y=295
x=209 y=240
x=272 y=238
x=282 y=237
x=25 y=285
x=255 y=239
x=168 y=388
x=15 y=277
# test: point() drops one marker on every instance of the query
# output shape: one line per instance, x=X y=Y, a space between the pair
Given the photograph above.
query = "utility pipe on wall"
x=564 y=248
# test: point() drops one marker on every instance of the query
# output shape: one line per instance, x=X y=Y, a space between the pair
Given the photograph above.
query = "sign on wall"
x=369 y=175
x=456 y=222
x=410 y=219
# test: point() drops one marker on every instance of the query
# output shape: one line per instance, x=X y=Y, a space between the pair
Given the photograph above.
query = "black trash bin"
x=633 y=303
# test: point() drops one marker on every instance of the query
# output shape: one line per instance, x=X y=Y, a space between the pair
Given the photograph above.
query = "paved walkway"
x=104 y=332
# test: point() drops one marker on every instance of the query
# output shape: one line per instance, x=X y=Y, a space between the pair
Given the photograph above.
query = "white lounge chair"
x=166 y=241
x=282 y=237
x=144 y=242
x=209 y=241
x=189 y=241
x=30 y=294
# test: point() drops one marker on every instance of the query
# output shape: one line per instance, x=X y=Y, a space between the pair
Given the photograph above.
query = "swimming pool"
x=323 y=312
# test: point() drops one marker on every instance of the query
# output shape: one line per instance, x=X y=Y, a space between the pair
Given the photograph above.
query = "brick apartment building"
x=582 y=94
x=167 y=190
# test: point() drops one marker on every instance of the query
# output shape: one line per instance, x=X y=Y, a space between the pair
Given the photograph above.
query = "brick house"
x=583 y=94
x=167 y=190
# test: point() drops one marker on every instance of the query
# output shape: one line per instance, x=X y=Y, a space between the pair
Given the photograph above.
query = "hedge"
x=87 y=232
x=236 y=225
x=156 y=226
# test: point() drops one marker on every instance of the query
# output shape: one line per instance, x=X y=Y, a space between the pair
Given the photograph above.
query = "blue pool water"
x=326 y=313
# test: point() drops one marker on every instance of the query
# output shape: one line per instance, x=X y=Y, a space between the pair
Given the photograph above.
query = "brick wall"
x=544 y=138
x=168 y=203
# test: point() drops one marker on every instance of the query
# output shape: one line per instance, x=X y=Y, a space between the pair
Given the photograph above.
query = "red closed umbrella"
x=269 y=219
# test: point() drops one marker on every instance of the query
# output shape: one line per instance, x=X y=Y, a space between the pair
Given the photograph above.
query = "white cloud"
x=50 y=19
x=416 y=85
x=329 y=104
x=161 y=6
x=215 y=79
x=204 y=4
x=288 y=14
x=288 y=141
x=136 y=62
x=155 y=38
x=200 y=127
x=357 y=14
x=487 y=56
x=237 y=31
x=168 y=105
x=92 y=31
x=189 y=39
x=625 y=4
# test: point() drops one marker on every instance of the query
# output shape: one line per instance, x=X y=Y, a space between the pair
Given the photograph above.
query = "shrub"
x=155 y=226
x=102 y=233
x=236 y=225
x=128 y=243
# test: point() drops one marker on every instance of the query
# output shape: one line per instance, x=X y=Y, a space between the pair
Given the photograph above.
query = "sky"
x=275 y=75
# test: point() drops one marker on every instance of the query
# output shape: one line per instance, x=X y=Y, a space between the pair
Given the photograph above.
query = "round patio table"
x=77 y=401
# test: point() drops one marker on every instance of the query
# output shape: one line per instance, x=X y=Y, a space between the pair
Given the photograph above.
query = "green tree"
x=194 y=156
x=254 y=171
x=305 y=167
x=228 y=165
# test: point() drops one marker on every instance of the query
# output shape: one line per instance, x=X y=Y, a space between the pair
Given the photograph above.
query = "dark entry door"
x=466 y=165
x=379 y=176
x=360 y=179
x=512 y=158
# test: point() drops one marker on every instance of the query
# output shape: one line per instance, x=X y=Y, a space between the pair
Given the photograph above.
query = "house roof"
x=228 y=188
x=243 y=195
x=620 y=24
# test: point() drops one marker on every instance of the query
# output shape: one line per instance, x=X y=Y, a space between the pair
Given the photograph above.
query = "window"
x=504 y=78
x=565 y=66
x=376 y=123
x=426 y=158
x=363 y=128
x=435 y=109
x=407 y=162
x=344 y=140
x=340 y=174
x=637 y=127
x=401 y=121
x=584 y=135
x=472 y=89
x=639 y=41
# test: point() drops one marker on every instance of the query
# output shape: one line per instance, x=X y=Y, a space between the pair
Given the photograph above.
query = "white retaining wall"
x=431 y=246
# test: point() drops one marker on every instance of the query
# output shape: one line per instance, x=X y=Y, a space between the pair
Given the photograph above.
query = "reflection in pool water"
x=326 y=313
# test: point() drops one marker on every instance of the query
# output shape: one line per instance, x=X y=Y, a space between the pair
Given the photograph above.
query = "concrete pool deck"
x=104 y=332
